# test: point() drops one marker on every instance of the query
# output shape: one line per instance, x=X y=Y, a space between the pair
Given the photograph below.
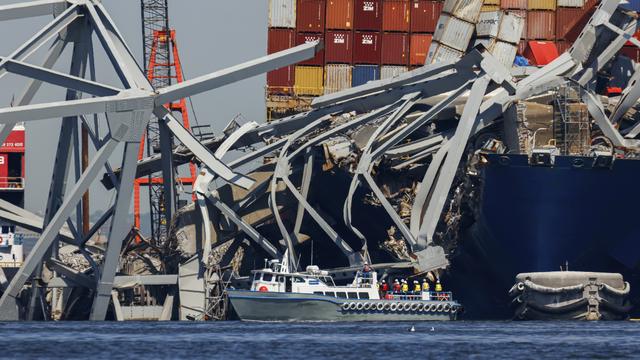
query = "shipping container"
x=570 y=22
x=395 y=49
x=522 y=46
x=523 y=15
x=302 y=38
x=468 y=10
x=310 y=16
x=453 y=32
x=486 y=8
x=563 y=46
x=387 y=72
x=512 y=27
x=439 y=53
x=632 y=52
x=339 y=14
x=424 y=15
x=280 y=39
x=338 y=47
x=491 y=2
x=419 y=48
x=541 y=25
x=486 y=42
x=541 y=4
x=541 y=53
x=309 y=80
x=282 y=13
x=368 y=15
x=513 y=4
x=396 y=15
x=570 y=3
x=280 y=81
x=362 y=74
x=504 y=52
x=489 y=24
x=366 y=48
x=337 y=77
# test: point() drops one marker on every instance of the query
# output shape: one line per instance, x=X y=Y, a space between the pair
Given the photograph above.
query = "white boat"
x=277 y=294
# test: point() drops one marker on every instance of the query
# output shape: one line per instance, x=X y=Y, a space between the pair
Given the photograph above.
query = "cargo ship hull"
x=540 y=218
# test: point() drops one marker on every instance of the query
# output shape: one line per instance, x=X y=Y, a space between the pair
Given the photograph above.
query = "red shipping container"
x=339 y=14
x=570 y=22
x=366 y=48
x=396 y=15
x=541 y=25
x=338 y=47
x=310 y=15
x=419 y=48
x=280 y=81
x=631 y=52
x=368 y=15
x=563 y=46
x=513 y=4
x=307 y=38
x=395 y=49
x=541 y=52
x=425 y=15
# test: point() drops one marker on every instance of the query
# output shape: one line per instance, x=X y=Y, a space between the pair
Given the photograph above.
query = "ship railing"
x=16 y=183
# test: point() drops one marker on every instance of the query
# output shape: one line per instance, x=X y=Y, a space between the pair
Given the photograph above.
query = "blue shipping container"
x=364 y=73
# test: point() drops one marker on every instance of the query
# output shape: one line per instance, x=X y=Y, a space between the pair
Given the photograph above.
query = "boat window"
x=267 y=277
x=5 y=229
x=330 y=293
x=364 y=295
x=298 y=279
x=318 y=292
x=256 y=277
x=342 y=295
x=353 y=295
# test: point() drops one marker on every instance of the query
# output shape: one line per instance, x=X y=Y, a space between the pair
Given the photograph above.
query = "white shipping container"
x=504 y=52
x=464 y=9
x=511 y=28
x=571 y=3
x=387 y=72
x=282 y=13
x=336 y=78
x=439 y=52
x=489 y=23
x=453 y=32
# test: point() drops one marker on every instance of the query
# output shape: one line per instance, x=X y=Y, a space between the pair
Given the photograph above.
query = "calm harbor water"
x=239 y=340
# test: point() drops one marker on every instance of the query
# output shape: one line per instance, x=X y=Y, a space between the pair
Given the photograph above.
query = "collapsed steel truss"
x=478 y=81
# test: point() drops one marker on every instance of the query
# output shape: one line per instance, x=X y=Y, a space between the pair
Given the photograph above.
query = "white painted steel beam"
x=27 y=9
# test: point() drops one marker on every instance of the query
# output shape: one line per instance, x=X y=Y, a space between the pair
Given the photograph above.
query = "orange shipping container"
x=541 y=25
x=339 y=14
x=570 y=22
x=396 y=15
x=419 y=48
x=424 y=15
x=395 y=49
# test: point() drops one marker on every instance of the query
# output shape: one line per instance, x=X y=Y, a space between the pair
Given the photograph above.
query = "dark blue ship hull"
x=539 y=218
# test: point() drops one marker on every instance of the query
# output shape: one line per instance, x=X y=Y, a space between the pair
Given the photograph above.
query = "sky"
x=211 y=35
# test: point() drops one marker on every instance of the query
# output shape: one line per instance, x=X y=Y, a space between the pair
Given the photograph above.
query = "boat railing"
x=432 y=295
x=13 y=183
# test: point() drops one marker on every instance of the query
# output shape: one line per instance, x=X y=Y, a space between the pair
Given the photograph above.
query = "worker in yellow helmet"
x=425 y=285
x=438 y=286
x=416 y=287
x=405 y=287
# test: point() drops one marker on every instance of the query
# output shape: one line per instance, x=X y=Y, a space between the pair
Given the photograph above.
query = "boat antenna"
x=312 y=250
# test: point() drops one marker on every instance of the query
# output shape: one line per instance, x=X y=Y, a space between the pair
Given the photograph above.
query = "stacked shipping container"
x=364 y=40
x=371 y=39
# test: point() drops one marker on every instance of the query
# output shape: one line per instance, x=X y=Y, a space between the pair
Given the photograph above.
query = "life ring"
x=439 y=307
x=454 y=309
x=352 y=306
x=393 y=307
x=420 y=307
x=387 y=306
x=414 y=306
x=446 y=308
x=367 y=306
x=520 y=286
x=407 y=307
x=379 y=306
x=346 y=306
x=263 y=289
x=359 y=306
x=432 y=307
